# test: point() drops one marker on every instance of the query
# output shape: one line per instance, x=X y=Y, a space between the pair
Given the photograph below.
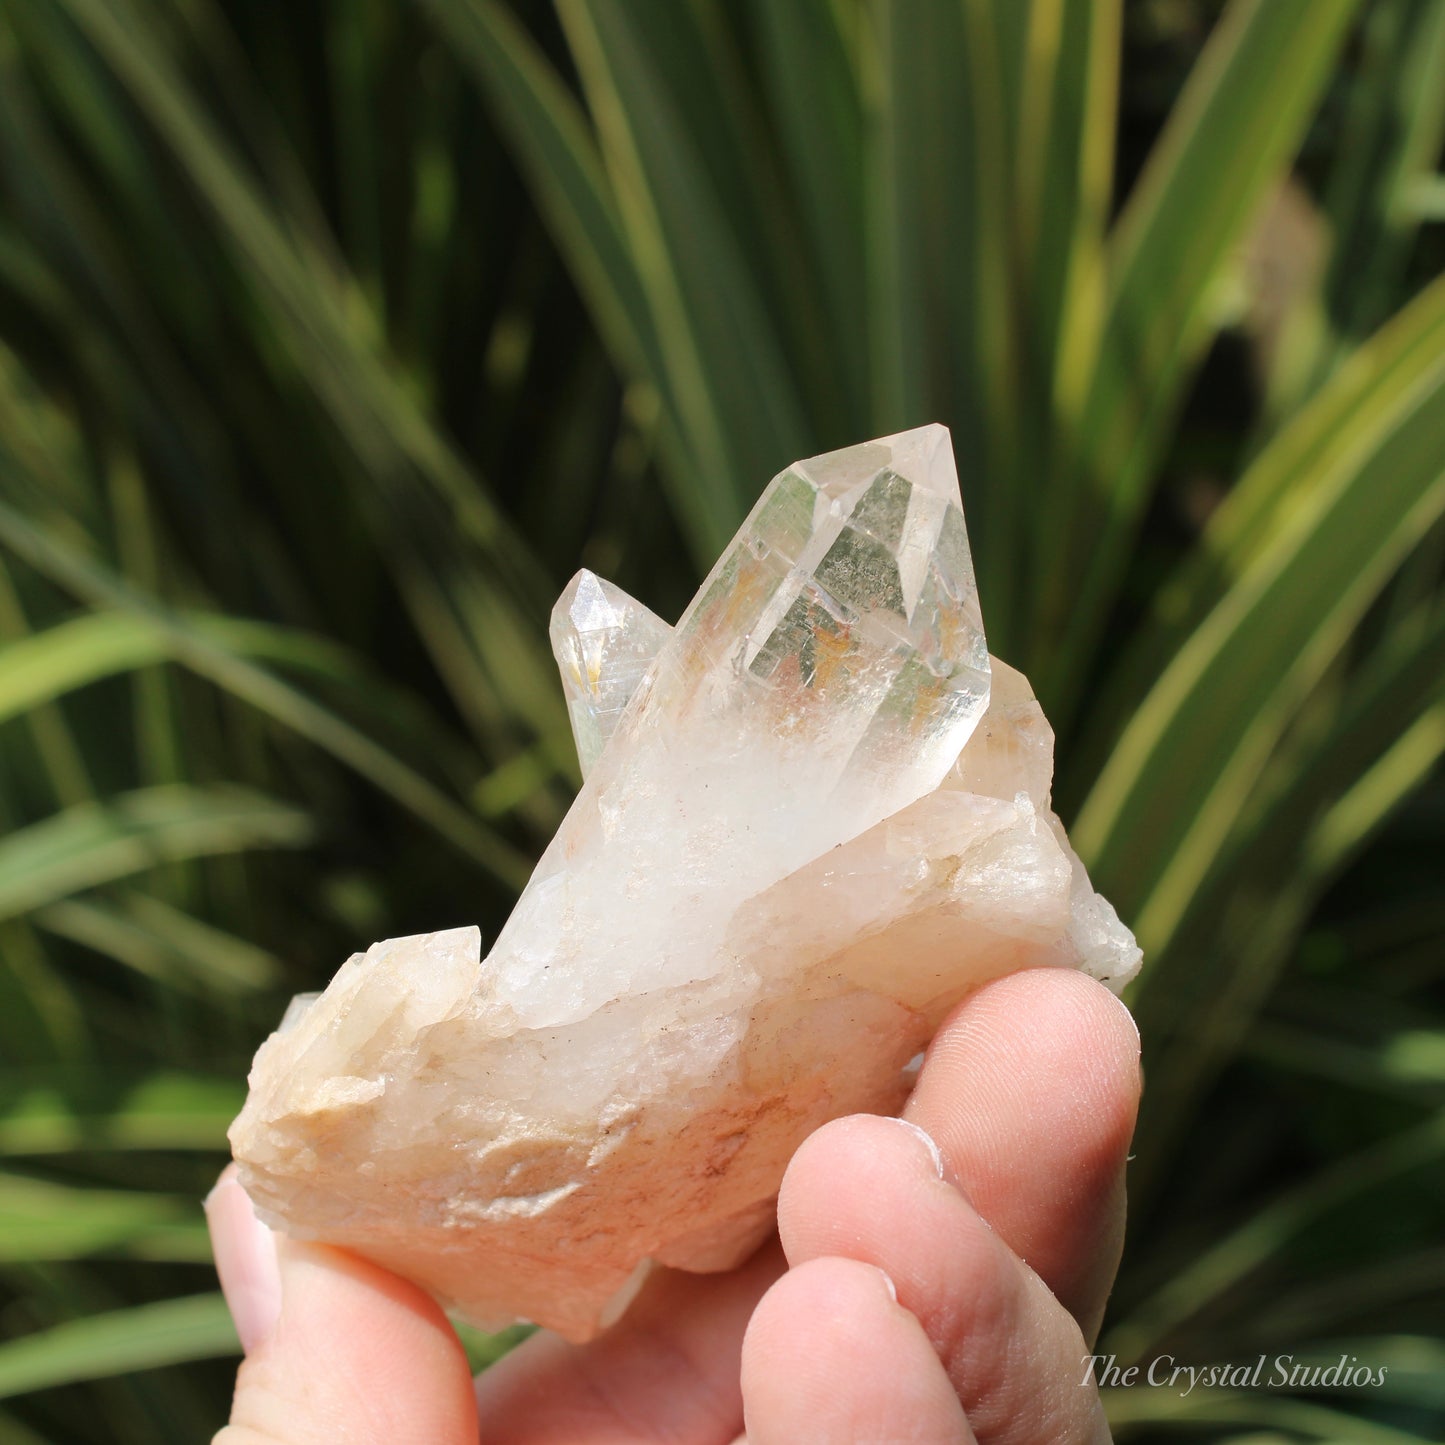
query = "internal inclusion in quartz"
x=796 y=846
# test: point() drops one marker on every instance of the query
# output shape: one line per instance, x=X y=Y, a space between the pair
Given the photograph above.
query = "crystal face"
x=814 y=816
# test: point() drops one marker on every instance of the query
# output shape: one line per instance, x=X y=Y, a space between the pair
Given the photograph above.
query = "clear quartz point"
x=845 y=617
x=604 y=642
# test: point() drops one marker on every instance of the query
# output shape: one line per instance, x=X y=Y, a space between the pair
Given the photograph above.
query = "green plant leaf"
x=45 y=1221
x=70 y=1113
x=202 y=645
x=1391 y=139
x=1069 y=100
x=94 y=843
x=559 y=155
x=1229 y=138
x=322 y=316
x=162 y=942
x=1287 y=1420
x=906 y=108
x=1339 y=1297
x=48 y=664
x=735 y=398
x=1379 y=382
x=1375 y=743
x=54 y=740
x=815 y=102
x=1260 y=1237
x=1301 y=587
x=143 y=1337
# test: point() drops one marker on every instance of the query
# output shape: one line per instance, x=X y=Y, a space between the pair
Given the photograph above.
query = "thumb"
x=336 y=1348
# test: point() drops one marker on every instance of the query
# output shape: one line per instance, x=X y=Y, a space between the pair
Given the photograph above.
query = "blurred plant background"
x=335 y=336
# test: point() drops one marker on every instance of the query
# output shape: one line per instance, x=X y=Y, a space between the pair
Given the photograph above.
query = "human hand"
x=1000 y=1241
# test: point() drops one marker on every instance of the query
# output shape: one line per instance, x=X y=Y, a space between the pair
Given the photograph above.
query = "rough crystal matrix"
x=814 y=816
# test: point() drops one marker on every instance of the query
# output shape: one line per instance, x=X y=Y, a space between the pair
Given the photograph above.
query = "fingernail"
x=1127 y=1012
x=246 y=1262
x=889 y=1285
x=934 y=1152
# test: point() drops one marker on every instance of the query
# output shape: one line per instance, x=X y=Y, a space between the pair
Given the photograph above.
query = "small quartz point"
x=604 y=642
x=814 y=816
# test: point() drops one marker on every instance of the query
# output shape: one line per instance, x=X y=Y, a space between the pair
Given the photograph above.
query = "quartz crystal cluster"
x=815 y=815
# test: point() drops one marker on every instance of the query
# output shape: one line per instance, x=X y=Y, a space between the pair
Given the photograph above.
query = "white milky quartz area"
x=815 y=815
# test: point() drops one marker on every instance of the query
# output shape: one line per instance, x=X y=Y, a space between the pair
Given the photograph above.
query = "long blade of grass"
x=815 y=101
x=1404 y=1065
x=940 y=286
x=16 y=1432
x=77 y=1113
x=1244 y=1249
x=1317 y=806
x=1221 y=1409
x=41 y=1016
x=54 y=740
x=327 y=323
x=997 y=362
x=164 y=943
x=1061 y=172
x=46 y=1221
x=1321 y=798
x=736 y=397
x=144 y=1337
x=1390 y=139
x=89 y=292
x=558 y=155
x=159 y=747
x=1392 y=778
x=1292 y=609
x=44 y=666
x=1340 y=1296
x=50 y=663
x=1378 y=381
x=94 y=843
x=1066 y=175
x=1235 y=128
x=203 y=648
x=896 y=151
x=690 y=54
x=1410 y=1368
x=323 y=317
x=1068 y=101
